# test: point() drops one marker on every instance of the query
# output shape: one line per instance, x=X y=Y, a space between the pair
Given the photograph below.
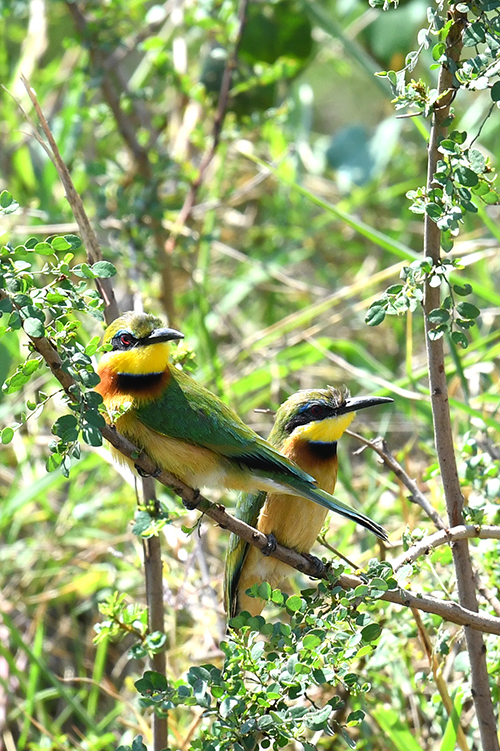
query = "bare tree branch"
x=380 y=447
x=153 y=571
x=460 y=532
x=440 y=404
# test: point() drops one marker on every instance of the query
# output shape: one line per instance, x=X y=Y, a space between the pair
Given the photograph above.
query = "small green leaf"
x=277 y=597
x=95 y=418
x=355 y=717
x=294 y=603
x=460 y=339
x=104 y=269
x=7 y=204
x=44 y=249
x=467 y=310
x=92 y=346
x=264 y=590
x=91 y=435
x=375 y=315
x=371 y=632
x=434 y=210
x=142 y=523
x=34 y=327
x=53 y=462
x=447 y=146
x=394 y=289
x=361 y=590
x=5 y=199
x=438 y=50
x=495 y=91
x=437 y=333
x=438 y=315
x=466 y=176
x=74 y=241
x=311 y=641
x=55 y=297
x=462 y=290
x=30 y=366
x=7 y=435
x=60 y=243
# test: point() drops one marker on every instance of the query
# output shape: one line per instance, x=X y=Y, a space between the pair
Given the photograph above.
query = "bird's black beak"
x=354 y=403
x=161 y=335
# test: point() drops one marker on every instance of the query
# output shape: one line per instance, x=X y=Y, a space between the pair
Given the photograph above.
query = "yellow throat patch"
x=138 y=361
x=330 y=429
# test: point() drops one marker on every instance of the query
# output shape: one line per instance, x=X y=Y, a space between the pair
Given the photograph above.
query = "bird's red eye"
x=125 y=340
x=316 y=410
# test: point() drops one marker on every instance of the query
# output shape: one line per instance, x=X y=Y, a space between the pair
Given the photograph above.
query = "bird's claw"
x=271 y=545
x=142 y=472
x=193 y=502
x=317 y=562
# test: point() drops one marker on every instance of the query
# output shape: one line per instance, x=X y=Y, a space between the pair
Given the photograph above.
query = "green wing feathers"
x=247 y=509
x=189 y=412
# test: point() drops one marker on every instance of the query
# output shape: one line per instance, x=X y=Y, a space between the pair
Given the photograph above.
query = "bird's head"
x=139 y=344
x=321 y=415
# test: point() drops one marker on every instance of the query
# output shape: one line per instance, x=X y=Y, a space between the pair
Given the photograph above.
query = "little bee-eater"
x=306 y=429
x=190 y=432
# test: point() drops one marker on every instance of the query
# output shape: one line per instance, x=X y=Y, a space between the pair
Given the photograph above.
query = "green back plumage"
x=191 y=413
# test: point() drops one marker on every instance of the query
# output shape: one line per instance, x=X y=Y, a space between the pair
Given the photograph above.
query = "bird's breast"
x=295 y=521
x=119 y=387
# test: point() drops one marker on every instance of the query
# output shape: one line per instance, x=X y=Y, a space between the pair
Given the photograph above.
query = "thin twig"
x=220 y=115
x=416 y=495
x=441 y=411
x=439 y=680
x=460 y=532
x=89 y=238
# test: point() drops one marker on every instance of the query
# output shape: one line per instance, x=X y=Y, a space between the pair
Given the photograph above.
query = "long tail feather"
x=332 y=503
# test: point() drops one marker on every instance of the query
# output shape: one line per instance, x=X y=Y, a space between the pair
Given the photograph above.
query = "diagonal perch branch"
x=192 y=499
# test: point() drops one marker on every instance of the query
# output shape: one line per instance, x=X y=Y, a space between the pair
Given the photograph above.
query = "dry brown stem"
x=441 y=412
x=89 y=238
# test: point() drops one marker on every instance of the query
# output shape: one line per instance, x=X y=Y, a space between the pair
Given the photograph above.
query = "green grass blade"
x=398 y=733
x=450 y=734
x=63 y=692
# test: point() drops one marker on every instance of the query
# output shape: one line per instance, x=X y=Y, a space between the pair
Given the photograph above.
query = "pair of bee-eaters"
x=191 y=433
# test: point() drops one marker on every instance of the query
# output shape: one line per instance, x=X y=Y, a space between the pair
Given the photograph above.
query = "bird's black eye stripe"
x=310 y=413
x=123 y=340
